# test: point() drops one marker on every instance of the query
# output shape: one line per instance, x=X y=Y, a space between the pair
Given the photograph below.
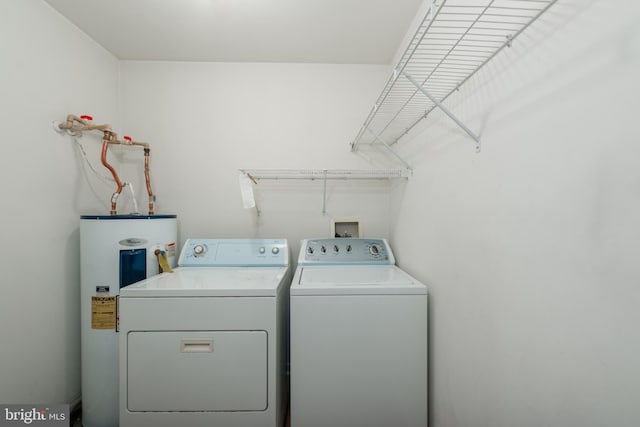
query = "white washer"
x=207 y=344
x=358 y=338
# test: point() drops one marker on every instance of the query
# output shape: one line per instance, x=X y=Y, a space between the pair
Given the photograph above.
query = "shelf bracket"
x=324 y=194
x=445 y=110
x=390 y=150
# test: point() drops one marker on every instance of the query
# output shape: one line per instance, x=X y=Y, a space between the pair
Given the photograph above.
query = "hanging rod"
x=313 y=174
x=324 y=175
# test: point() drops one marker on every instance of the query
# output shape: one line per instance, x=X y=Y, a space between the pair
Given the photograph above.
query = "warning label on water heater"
x=103 y=312
x=170 y=248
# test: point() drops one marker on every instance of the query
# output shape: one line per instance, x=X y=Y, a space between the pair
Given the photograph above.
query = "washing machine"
x=358 y=337
x=206 y=344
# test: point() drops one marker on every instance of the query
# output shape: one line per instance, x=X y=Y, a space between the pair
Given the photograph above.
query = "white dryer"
x=358 y=338
x=207 y=344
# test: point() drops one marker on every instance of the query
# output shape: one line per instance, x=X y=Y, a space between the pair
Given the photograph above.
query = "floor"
x=76 y=420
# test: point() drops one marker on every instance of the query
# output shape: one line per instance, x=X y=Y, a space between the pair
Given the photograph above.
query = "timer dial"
x=199 y=250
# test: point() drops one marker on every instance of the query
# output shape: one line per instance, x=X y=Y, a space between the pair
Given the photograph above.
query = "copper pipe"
x=147 y=151
x=78 y=124
x=83 y=124
x=152 y=198
x=108 y=139
x=97 y=127
x=69 y=124
x=129 y=141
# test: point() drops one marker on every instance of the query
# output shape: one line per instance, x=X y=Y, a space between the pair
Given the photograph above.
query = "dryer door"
x=197 y=371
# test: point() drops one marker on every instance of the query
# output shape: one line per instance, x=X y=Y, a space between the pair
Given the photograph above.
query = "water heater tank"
x=115 y=251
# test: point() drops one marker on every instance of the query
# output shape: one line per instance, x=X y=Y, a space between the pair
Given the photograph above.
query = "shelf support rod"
x=324 y=194
x=445 y=110
x=390 y=150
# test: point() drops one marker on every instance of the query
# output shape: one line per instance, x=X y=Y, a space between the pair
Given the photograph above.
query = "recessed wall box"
x=346 y=228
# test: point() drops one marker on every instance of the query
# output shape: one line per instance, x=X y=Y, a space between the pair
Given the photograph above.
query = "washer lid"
x=210 y=281
x=355 y=280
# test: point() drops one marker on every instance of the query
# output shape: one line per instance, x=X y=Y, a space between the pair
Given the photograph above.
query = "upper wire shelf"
x=453 y=41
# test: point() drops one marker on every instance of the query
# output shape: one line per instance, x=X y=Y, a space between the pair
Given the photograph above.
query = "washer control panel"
x=345 y=251
x=234 y=252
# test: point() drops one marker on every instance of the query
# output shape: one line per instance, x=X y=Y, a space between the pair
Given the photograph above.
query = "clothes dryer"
x=358 y=337
x=207 y=344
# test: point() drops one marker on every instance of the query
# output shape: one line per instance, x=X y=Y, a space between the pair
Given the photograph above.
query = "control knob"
x=374 y=250
x=275 y=250
x=199 y=250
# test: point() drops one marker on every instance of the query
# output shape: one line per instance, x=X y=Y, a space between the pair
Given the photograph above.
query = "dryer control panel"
x=346 y=251
x=234 y=253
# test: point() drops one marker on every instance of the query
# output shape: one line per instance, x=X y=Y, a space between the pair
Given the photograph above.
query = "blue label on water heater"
x=133 y=266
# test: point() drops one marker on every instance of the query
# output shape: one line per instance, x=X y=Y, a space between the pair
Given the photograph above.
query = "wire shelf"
x=454 y=40
x=322 y=174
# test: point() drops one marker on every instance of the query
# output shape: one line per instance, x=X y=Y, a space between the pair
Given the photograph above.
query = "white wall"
x=49 y=69
x=530 y=248
x=207 y=120
x=204 y=121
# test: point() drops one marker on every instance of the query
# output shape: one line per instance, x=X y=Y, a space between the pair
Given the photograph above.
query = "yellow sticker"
x=163 y=262
x=103 y=312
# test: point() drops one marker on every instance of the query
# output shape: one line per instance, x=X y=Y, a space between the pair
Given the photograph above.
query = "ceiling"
x=312 y=31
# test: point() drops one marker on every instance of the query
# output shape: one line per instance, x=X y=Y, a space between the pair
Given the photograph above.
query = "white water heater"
x=115 y=251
